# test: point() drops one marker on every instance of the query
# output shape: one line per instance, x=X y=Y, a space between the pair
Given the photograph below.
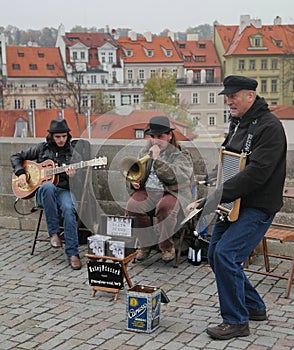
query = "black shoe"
x=228 y=331
x=257 y=315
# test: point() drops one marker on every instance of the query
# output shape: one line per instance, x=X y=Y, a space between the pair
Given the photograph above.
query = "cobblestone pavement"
x=46 y=305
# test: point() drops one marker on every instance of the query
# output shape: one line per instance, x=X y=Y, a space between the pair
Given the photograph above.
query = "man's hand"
x=136 y=184
x=155 y=149
x=70 y=171
x=22 y=181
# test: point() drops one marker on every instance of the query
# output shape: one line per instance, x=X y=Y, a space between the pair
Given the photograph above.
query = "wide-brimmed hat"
x=158 y=125
x=235 y=83
x=58 y=126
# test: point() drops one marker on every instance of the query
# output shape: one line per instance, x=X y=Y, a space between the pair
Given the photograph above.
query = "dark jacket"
x=260 y=184
x=42 y=152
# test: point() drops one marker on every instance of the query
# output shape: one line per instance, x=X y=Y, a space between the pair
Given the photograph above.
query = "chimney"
x=278 y=21
x=192 y=37
x=171 y=35
x=244 y=22
x=148 y=37
x=132 y=35
x=256 y=22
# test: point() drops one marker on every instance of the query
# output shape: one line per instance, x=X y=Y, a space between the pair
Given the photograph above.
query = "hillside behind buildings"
x=46 y=37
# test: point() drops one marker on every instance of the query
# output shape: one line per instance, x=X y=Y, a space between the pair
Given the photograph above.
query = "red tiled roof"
x=197 y=49
x=91 y=40
x=42 y=59
x=158 y=45
x=42 y=118
x=283 y=112
x=239 y=43
x=119 y=126
x=124 y=126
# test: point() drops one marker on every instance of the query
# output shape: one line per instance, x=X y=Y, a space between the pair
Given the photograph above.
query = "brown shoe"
x=257 y=315
x=143 y=253
x=55 y=241
x=75 y=262
x=228 y=331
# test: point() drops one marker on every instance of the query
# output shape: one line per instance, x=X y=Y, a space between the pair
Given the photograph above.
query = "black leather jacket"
x=42 y=152
x=260 y=184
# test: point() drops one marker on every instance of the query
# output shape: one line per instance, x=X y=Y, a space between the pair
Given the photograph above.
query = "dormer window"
x=129 y=53
x=20 y=54
x=200 y=58
x=167 y=52
x=33 y=67
x=149 y=53
x=50 y=66
x=202 y=46
x=41 y=54
x=16 y=66
x=256 y=42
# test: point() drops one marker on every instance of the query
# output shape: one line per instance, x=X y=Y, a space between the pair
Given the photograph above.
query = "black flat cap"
x=235 y=83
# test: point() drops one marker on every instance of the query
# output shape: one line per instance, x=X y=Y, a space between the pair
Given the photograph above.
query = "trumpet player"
x=163 y=190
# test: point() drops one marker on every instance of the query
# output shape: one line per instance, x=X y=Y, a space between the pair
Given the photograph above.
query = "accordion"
x=229 y=164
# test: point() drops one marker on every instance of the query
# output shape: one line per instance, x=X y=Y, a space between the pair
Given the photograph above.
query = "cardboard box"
x=96 y=245
x=143 y=308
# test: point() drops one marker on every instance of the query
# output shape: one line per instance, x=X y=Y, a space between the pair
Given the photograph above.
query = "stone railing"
x=107 y=185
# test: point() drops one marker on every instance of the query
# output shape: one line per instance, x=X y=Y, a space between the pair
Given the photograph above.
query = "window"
x=263 y=64
x=20 y=54
x=136 y=99
x=130 y=76
x=263 y=85
x=34 y=87
x=93 y=79
x=169 y=53
x=139 y=133
x=50 y=66
x=129 y=53
x=84 y=101
x=32 y=104
x=195 y=98
x=110 y=57
x=15 y=66
x=105 y=127
x=274 y=85
x=152 y=73
x=211 y=120
x=200 y=59
x=125 y=100
x=75 y=55
x=83 y=55
x=48 y=103
x=257 y=42
x=41 y=54
x=103 y=59
x=211 y=97
x=149 y=53
x=241 y=64
x=33 y=67
x=112 y=100
x=103 y=79
x=274 y=63
x=141 y=74
x=251 y=64
x=63 y=103
x=16 y=104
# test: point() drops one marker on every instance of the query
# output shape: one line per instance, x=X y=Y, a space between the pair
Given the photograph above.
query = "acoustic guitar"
x=47 y=171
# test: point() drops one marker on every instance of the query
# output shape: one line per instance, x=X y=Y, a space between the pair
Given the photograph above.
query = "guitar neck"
x=62 y=169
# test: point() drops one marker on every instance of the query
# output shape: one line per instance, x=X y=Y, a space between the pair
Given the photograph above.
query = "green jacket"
x=174 y=168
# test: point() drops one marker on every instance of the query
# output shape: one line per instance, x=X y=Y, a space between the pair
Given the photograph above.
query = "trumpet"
x=132 y=168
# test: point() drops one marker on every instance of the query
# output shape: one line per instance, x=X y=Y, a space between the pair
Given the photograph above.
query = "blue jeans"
x=53 y=198
x=231 y=244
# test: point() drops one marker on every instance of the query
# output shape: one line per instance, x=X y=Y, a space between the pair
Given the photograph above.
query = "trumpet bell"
x=132 y=168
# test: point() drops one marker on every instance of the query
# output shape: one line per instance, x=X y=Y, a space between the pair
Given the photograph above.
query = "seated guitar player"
x=54 y=197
